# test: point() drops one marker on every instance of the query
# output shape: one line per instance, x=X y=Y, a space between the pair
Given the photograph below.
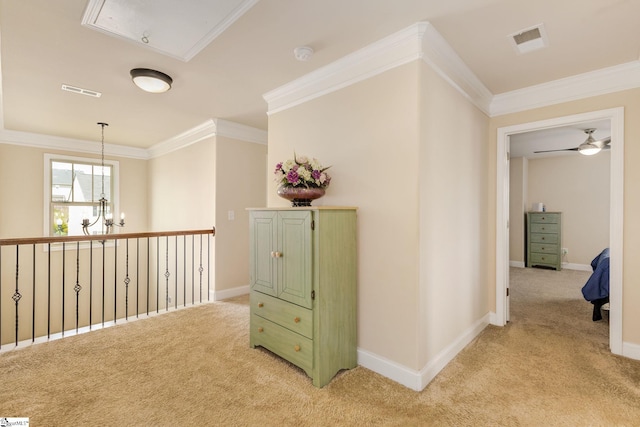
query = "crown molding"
x=439 y=54
x=49 y=142
x=239 y=131
x=422 y=41
x=186 y=138
x=390 y=52
x=419 y=41
x=595 y=83
x=209 y=129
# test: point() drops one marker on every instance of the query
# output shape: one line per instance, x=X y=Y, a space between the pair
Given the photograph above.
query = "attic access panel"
x=177 y=28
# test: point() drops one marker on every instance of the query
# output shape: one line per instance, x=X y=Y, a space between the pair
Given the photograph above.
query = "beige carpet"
x=549 y=367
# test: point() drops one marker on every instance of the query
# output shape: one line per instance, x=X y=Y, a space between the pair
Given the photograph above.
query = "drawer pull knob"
x=543 y=238
x=260 y=329
x=296 y=347
x=297 y=320
x=276 y=254
x=260 y=304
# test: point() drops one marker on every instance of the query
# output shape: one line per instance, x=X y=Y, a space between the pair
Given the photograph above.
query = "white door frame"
x=616 y=115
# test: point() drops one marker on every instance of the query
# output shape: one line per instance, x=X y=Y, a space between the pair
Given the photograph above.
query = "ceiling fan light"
x=588 y=149
x=151 y=80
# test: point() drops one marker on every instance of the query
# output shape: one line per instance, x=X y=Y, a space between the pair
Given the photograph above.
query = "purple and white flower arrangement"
x=302 y=171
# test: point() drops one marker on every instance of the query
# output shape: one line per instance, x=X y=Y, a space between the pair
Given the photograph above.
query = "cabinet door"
x=262 y=245
x=294 y=264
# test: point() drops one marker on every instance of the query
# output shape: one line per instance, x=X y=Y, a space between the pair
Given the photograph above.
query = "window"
x=73 y=188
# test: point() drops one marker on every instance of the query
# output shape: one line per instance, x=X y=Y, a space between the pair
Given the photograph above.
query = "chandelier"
x=108 y=223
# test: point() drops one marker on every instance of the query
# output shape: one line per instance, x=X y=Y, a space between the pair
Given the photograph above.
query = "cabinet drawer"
x=537 y=259
x=546 y=218
x=544 y=228
x=544 y=238
x=544 y=248
x=291 y=316
x=285 y=343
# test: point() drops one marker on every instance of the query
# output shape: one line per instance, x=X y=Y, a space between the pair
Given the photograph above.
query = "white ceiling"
x=44 y=45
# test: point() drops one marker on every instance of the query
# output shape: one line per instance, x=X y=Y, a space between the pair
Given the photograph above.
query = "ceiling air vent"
x=529 y=39
x=81 y=91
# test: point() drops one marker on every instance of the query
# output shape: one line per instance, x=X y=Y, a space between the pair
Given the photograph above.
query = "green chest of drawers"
x=303 y=287
x=544 y=239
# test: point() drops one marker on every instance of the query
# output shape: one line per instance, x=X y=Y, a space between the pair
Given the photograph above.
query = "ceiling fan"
x=589 y=147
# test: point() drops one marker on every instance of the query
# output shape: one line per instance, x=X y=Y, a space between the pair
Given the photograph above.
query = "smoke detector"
x=529 y=39
x=303 y=53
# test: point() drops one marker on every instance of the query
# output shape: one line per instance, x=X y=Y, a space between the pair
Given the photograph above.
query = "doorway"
x=616 y=116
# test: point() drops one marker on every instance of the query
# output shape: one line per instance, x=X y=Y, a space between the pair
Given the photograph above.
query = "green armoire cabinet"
x=303 y=277
x=544 y=239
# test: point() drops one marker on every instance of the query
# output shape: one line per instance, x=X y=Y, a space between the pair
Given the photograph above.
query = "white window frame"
x=115 y=179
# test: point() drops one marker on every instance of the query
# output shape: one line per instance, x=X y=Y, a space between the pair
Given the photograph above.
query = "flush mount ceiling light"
x=151 y=80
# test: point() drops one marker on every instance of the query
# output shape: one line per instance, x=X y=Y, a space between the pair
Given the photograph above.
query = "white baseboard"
x=493 y=319
x=435 y=365
x=418 y=380
x=631 y=350
x=230 y=293
x=390 y=369
x=94 y=327
x=565 y=265
x=579 y=267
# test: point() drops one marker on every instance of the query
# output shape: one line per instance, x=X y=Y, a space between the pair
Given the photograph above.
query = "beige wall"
x=196 y=187
x=407 y=150
x=21 y=179
x=630 y=100
x=372 y=148
x=22 y=182
x=176 y=191
x=577 y=186
x=240 y=175
x=134 y=191
x=453 y=177
x=518 y=167
x=182 y=188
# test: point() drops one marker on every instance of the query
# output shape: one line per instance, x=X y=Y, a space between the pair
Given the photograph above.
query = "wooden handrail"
x=101 y=237
x=96 y=284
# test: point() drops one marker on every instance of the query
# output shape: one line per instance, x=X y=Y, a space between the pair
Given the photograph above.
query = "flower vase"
x=300 y=195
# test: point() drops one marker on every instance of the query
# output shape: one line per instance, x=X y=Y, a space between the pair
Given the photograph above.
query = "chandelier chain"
x=107 y=218
x=102 y=140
